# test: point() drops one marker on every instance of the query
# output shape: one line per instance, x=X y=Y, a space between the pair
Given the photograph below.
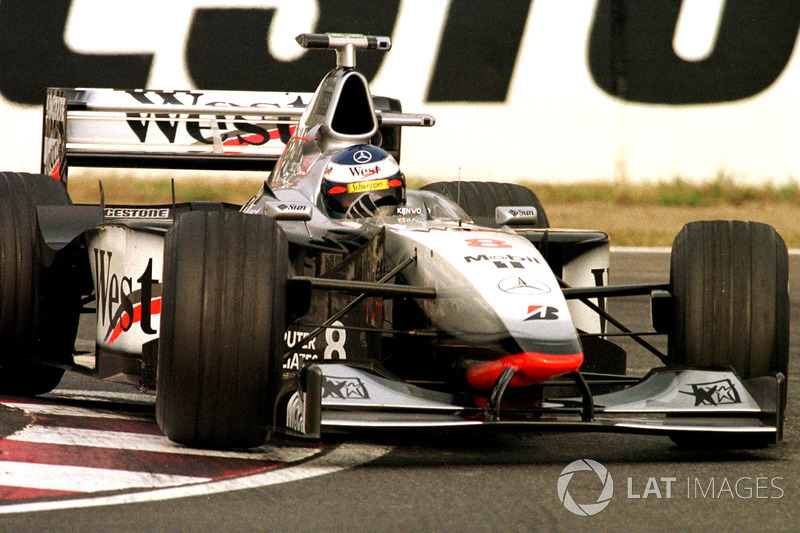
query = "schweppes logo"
x=365 y=186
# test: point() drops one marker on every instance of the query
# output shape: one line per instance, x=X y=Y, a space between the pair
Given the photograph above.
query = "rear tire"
x=730 y=284
x=222 y=325
x=479 y=199
x=39 y=289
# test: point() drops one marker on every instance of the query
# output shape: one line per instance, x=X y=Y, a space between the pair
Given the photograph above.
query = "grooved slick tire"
x=222 y=324
x=479 y=199
x=730 y=283
x=39 y=292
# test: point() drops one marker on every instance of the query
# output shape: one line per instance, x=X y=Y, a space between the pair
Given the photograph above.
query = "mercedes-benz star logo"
x=520 y=285
x=362 y=156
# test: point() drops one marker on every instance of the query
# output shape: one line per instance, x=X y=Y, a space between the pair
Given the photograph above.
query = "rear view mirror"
x=515 y=215
x=288 y=210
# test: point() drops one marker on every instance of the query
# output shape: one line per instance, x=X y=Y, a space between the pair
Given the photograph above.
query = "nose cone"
x=531 y=368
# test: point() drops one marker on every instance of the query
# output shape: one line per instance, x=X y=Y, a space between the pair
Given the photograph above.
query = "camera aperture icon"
x=585 y=509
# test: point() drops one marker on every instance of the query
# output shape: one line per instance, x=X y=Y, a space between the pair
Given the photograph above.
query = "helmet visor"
x=338 y=197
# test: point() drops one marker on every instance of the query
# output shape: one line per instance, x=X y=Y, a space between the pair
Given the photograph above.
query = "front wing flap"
x=328 y=397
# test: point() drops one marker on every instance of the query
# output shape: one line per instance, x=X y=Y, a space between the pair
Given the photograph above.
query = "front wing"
x=669 y=401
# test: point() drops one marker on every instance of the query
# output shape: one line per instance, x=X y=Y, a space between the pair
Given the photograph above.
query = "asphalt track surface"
x=462 y=482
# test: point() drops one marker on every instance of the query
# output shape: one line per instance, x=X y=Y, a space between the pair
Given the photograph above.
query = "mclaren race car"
x=338 y=299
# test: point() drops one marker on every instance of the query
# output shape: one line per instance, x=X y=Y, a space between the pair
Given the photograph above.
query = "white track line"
x=65 y=410
x=80 y=478
x=85 y=479
x=140 y=442
x=148 y=443
x=103 y=396
x=343 y=457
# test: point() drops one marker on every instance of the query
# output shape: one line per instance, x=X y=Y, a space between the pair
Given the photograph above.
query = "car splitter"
x=675 y=402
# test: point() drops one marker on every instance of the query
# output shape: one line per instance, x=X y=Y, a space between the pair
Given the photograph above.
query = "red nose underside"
x=531 y=368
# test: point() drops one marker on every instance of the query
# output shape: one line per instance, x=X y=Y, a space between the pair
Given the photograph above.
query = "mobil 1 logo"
x=502 y=261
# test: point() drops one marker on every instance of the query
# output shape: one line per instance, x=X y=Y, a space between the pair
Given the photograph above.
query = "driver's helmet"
x=360 y=180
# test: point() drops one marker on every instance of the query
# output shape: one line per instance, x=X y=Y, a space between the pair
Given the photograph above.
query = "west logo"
x=118 y=304
x=243 y=131
x=362 y=171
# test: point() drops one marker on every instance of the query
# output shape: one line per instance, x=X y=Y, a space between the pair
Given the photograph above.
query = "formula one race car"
x=338 y=299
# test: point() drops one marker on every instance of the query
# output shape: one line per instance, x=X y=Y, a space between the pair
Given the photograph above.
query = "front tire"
x=222 y=325
x=730 y=284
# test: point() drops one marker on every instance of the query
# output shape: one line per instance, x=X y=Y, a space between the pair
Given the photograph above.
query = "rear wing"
x=213 y=130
